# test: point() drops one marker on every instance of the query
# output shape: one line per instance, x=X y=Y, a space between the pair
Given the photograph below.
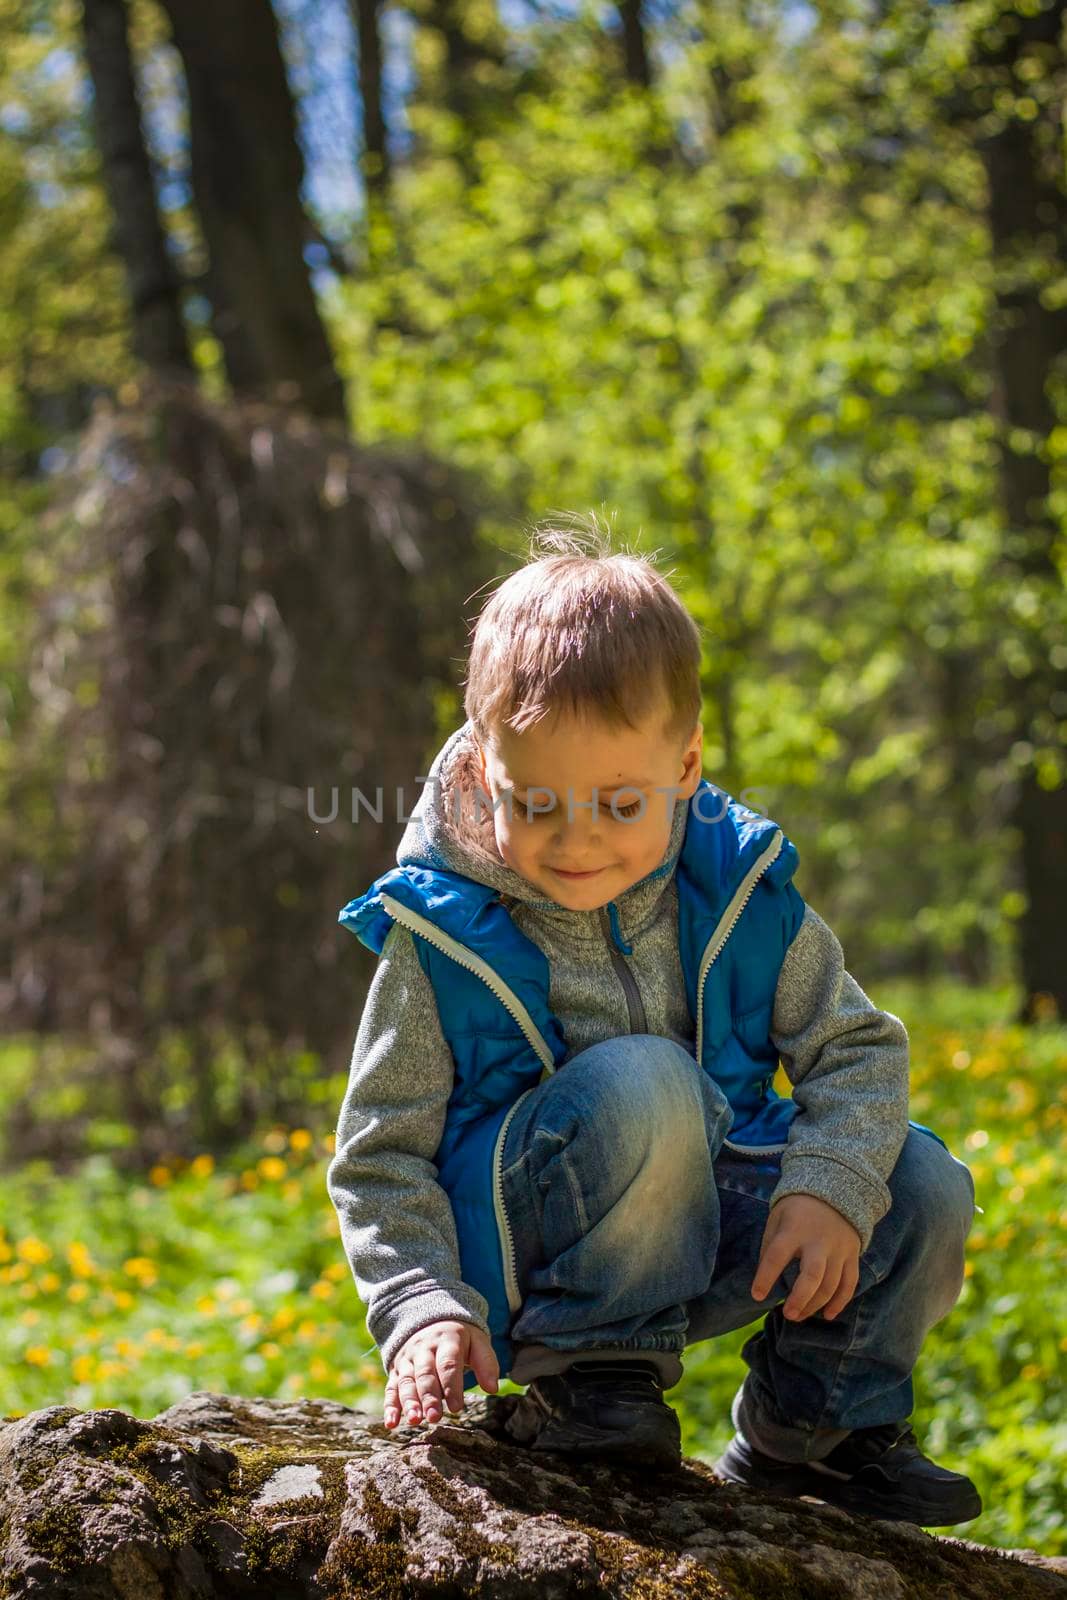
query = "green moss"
x=56 y=1533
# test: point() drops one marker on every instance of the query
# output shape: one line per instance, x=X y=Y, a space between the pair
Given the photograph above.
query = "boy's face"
x=555 y=821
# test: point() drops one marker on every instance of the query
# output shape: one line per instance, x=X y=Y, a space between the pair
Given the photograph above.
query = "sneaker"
x=608 y=1410
x=878 y=1471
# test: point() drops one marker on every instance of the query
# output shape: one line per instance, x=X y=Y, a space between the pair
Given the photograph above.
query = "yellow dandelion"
x=202 y=1166
x=29 y=1291
x=49 y=1282
x=307 y=1329
x=155 y=1336
x=123 y=1299
x=160 y=1176
x=195 y=1349
x=272 y=1168
x=335 y=1271
x=82 y=1368
x=240 y=1307
x=1032 y=1369
x=79 y=1260
x=140 y=1267
x=250 y=1180
x=284 y=1317
x=322 y=1291
x=301 y=1139
x=78 y=1291
x=33 y=1250
x=28 y=1318
x=206 y=1305
x=38 y=1355
x=270 y=1350
x=318 y=1370
x=330 y=1141
x=292 y=1189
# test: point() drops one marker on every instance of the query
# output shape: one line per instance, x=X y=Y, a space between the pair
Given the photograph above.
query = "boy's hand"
x=430 y=1365
x=829 y=1249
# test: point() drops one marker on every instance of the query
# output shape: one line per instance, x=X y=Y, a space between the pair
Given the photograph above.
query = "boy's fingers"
x=777 y=1255
x=485 y=1365
x=843 y=1293
x=806 y=1288
x=450 y=1370
x=426 y=1381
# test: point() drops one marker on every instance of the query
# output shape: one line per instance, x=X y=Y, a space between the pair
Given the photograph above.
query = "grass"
x=132 y=1291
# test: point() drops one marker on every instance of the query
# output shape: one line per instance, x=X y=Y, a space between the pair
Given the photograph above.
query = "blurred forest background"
x=307 y=311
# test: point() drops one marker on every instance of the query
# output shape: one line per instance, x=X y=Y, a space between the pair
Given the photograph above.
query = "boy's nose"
x=579 y=824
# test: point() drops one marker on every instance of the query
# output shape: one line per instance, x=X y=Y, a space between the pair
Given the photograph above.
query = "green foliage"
x=750 y=310
x=133 y=1291
x=769 y=355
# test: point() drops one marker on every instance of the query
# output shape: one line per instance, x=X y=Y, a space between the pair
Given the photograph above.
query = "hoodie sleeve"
x=397 y=1226
x=848 y=1065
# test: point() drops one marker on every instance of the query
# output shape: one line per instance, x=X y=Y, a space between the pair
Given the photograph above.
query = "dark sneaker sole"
x=958 y=1502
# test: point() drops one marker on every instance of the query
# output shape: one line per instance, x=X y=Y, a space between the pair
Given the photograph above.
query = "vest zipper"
x=634 y=1003
x=511 y=1002
x=725 y=927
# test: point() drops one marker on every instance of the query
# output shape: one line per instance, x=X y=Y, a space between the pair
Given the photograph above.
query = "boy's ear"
x=694 y=762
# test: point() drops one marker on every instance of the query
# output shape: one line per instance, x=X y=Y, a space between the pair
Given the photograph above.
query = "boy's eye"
x=620 y=811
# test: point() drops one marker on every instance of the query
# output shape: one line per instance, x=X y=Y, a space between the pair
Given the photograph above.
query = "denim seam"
x=576 y=1193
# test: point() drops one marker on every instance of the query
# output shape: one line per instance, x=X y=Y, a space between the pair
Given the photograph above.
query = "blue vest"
x=738 y=912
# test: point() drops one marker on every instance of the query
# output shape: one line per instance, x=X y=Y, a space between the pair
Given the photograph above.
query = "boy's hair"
x=584 y=628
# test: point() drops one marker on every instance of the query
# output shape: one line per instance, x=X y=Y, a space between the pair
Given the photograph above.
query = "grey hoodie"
x=847 y=1061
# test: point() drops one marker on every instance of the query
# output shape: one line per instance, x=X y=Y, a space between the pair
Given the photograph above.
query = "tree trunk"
x=1028 y=221
x=247 y=172
x=158 y=334
x=374 y=157
x=635 y=48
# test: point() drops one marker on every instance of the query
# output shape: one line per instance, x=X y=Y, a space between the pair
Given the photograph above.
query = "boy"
x=559 y=1158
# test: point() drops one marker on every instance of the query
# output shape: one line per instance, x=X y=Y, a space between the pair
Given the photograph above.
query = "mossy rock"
x=223 y=1496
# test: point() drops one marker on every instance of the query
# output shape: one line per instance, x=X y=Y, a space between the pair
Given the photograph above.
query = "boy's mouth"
x=561 y=872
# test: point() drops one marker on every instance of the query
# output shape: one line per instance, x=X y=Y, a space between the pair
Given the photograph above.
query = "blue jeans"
x=636 y=1230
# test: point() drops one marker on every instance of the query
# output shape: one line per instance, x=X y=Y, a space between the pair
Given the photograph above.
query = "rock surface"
x=221 y=1496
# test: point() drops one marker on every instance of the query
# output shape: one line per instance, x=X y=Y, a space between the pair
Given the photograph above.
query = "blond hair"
x=585 y=628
